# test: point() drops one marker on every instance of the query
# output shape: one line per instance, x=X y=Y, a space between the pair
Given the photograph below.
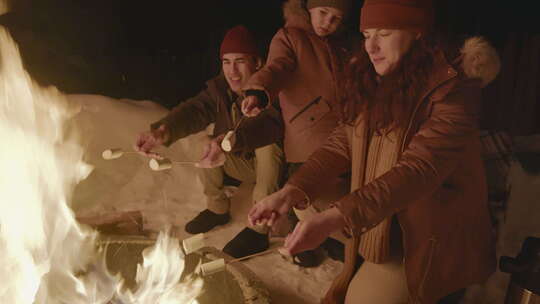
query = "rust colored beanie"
x=239 y=40
x=415 y=15
x=343 y=5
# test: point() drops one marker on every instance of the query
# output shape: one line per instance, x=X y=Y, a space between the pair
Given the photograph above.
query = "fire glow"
x=45 y=255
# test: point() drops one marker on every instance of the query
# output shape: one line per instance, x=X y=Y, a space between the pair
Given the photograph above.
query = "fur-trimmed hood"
x=479 y=60
x=295 y=14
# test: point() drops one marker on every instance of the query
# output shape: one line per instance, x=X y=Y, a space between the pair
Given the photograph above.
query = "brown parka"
x=436 y=189
x=302 y=66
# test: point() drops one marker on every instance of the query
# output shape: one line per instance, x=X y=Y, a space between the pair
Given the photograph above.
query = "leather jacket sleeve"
x=433 y=153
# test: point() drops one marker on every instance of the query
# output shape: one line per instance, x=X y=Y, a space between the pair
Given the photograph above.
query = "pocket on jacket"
x=310 y=116
x=448 y=194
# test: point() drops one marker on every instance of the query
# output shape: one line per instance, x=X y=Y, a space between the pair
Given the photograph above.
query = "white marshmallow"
x=160 y=164
x=193 y=243
x=228 y=141
x=112 y=153
x=213 y=267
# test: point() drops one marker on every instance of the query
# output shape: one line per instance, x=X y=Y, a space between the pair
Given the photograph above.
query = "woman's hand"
x=268 y=210
x=251 y=106
x=311 y=233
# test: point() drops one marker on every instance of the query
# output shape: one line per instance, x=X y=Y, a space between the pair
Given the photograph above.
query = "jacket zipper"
x=432 y=239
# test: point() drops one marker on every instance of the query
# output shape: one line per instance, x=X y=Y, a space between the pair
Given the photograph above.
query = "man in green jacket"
x=219 y=103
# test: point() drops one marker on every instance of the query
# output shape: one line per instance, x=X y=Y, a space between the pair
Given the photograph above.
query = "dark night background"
x=165 y=50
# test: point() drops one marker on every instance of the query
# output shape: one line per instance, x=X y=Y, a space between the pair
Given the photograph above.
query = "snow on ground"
x=521 y=221
x=173 y=196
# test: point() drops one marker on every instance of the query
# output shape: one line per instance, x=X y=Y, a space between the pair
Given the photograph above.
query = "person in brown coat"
x=219 y=103
x=305 y=63
x=417 y=211
x=303 y=66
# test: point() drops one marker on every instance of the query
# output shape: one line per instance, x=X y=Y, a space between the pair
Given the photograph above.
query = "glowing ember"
x=45 y=256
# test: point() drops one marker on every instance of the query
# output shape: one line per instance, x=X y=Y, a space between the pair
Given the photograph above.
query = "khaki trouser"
x=379 y=283
x=265 y=170
x=373 y=283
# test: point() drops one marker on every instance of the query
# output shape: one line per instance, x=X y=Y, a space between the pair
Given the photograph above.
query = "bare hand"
x=250 y=106
x=213 y=155
x=311 y=233
x=147 y=141
x=268 y=210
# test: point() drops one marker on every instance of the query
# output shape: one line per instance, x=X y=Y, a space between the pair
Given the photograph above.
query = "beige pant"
x=336 y=190
x=265 y=170
x=373 y=283
x=379 y=283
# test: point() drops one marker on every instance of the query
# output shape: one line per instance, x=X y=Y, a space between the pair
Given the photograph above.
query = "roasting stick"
x=254 y=255
x=220 y=264
x=230 y=138
x=115 y=153
x=155 y=164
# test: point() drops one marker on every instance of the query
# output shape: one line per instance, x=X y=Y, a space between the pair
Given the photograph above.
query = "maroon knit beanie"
x=415 y=15
x=239 y=40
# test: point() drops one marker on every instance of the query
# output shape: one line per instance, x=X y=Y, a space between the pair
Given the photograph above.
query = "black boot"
x=308 y=258
x=335 y=249
x=206 y=221
x=247 y=242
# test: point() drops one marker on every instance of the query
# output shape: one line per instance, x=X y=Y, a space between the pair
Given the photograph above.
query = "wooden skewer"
x=240 y=121
x=186 y=162
x=254 y=255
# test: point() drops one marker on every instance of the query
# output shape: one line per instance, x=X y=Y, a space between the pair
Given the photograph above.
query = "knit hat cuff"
x=394 y=16
x=239 y=40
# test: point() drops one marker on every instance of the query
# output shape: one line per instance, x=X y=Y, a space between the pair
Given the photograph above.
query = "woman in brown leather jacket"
x=417 y=210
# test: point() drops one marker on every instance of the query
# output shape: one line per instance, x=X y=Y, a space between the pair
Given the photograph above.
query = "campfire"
x=45 y=255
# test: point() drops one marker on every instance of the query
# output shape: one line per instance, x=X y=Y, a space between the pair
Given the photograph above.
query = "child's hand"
x=251 y=106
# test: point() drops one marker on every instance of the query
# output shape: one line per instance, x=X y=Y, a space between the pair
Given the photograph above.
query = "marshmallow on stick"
x=160 y=164
x=228 y=141
x=213 y=267
x=165 y=163
x=230 y=138
x=193 y=243
x=112 y=153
